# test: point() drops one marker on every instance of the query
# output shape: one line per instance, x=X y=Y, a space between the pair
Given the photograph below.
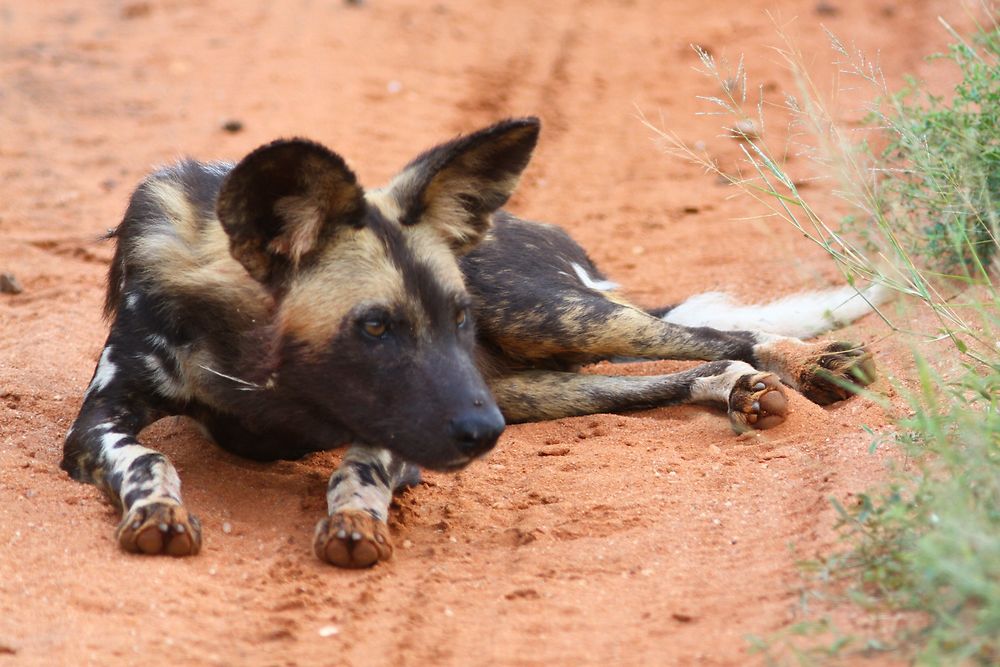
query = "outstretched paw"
x=840 y=369
x=352 y=538
x=757 y=401
x=160 y=527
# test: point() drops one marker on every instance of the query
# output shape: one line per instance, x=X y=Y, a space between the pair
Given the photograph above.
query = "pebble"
x=329 y=631
x=232 y=125
x=826 y=8
x=9 y=284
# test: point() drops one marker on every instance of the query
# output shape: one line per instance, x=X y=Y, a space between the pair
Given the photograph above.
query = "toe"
x=160 y=528
x=352 y=539
x=758 y=402
x=149 y=540
x=774 y=403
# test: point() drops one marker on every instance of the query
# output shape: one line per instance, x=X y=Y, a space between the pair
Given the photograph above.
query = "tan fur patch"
x=537 y=395
x=384 y=199
x=429 y=249
x=628 y=332
x=788 y=358
x=353 y=270
x=442 y=202
x=186 y=255
x=429 y=245
x=176 y=207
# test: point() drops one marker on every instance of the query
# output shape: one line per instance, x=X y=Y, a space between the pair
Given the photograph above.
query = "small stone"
x=227 y=527
x=329 y=631
x=232 y=125
x=10 y=284
x=407 y=544
x=824 y=8
x=135 y=10
x=394 y=87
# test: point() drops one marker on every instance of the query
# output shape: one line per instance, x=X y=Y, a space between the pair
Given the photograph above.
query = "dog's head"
x=373 y=323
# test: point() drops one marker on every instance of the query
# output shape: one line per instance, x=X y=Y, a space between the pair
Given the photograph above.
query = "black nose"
x=476 y=431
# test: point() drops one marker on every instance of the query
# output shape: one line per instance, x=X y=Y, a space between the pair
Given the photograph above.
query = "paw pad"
x=840 y=369
x=352 y=539
x=757 y=402
x=160 y=527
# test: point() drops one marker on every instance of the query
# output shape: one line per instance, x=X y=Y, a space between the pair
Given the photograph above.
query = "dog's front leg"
x=355 y=533
x=101 y=448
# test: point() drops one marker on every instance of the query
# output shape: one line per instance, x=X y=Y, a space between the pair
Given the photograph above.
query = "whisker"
x=247 y=385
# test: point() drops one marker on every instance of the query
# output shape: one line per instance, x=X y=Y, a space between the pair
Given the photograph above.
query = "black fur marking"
x=364 y=472
x=141 y=470
x=114 y=480
x=437 y=301
x=336 y=480
x=135 y=495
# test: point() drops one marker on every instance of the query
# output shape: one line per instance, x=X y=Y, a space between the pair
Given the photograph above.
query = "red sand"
x=652 y=538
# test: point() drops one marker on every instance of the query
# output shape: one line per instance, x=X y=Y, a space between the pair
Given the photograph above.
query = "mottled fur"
x=288 y=310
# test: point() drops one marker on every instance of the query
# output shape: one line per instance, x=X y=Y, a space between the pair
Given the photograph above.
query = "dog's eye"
x=461 y=317
x=375 y=328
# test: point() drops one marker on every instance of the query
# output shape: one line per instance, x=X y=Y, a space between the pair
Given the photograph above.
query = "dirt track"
x=652 y=538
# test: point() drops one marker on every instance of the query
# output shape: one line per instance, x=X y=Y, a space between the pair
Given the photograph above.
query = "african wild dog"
x=288 y=310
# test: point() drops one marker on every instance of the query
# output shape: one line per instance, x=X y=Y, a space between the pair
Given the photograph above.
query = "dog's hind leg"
x=752 y=399
x=582 y=326
x=355 y=533
x=101 y=448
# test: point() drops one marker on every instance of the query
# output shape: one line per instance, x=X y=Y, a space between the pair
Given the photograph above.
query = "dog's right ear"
x=457 y=186
x=282 y=201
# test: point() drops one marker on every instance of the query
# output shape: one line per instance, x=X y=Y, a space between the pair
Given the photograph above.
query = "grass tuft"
x=924 y=222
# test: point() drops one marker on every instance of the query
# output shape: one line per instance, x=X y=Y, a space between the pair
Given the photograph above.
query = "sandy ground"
x=652 y=538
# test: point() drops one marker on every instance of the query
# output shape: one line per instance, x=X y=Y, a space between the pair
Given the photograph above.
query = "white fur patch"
x=599 y=285
x=109 y=440
x=104 y=374
x=717 y=388
x=166 y=384
x=802 y=315
x=165 y=481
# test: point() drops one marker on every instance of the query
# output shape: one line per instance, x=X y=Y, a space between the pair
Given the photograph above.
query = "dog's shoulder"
x=172 y=249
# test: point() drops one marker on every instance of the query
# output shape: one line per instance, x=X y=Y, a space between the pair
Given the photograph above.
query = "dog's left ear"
x=457 y=186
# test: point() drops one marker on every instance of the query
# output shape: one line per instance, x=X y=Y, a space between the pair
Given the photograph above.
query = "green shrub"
x=927 y=544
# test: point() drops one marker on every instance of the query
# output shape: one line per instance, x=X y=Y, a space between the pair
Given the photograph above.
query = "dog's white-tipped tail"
x=802 y=315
